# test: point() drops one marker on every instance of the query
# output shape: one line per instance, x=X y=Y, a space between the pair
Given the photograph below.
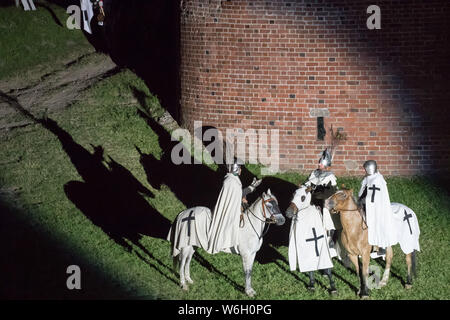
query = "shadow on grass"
x=36 y=264
x=210 y=267
x=109 y=195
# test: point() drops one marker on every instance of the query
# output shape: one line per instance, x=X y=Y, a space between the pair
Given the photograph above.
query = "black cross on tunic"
x=315 y=239
x=374 y=188
x=189 y=219
x=407 y=216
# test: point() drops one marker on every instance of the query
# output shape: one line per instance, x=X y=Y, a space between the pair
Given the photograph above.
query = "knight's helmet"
x=370 y=166
x=235 y=166
x=326 y=158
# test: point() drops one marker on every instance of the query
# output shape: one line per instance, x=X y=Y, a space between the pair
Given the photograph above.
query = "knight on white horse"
x=222 y=230
x=223 y=234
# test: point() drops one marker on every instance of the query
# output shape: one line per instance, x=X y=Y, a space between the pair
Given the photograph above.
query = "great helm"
x=235 y=166
x=370 y=166
x=325 y=159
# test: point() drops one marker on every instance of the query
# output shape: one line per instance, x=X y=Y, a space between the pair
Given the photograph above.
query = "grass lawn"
x=95 y=187
x=37 y=39
x=47 y=228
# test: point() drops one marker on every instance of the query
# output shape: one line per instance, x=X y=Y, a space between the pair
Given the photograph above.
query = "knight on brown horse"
x=357 y=227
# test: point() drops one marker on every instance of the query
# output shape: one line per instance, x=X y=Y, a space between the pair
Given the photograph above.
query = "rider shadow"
x=348 y=283
x=206 y=264
x=110 y=196
x=193 y=184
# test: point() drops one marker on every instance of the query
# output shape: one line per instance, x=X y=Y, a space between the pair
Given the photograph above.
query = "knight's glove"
x=254 y=184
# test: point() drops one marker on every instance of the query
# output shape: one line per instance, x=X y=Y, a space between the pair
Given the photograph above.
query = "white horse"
x=191 y=228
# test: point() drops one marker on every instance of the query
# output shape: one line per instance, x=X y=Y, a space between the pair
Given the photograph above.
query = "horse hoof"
x=382 y=284
x=408 y=286
x=312 y=289
x=184 y=287
x=250 y=292
x=364 y=297
x=333 y=292
x=189 y=280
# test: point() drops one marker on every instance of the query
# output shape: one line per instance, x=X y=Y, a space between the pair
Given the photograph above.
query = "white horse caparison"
x=263 y=211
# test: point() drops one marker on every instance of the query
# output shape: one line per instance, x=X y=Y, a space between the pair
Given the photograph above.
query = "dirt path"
x=55 y=90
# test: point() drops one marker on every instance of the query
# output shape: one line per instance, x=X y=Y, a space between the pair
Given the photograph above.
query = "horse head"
x=270 y=203
x=300 y=201
x=341 y=200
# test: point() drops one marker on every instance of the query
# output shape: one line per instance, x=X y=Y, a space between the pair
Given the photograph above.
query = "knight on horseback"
x=374 y=197
x=322 y=182
x=227 y=211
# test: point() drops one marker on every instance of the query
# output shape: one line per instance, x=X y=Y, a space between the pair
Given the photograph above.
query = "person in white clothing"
x=374 y=196
x=223 y=233
x=323 y=184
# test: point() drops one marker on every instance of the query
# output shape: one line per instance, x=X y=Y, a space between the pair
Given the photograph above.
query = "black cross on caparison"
x=374 y=188
x=407 y=216
x=189 y=219
x=315 y=239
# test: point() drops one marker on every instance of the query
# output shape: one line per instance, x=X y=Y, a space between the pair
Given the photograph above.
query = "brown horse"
x=354 y=238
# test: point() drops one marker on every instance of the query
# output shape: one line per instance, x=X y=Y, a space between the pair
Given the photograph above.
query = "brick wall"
x=280 y=64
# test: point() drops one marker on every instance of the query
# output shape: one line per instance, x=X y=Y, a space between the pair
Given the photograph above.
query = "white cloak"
x=191 y=229
x=224 y=229
x=87 y=13
x=408 y=231
x=309 y=254
x=322 y=178
x=380 y=219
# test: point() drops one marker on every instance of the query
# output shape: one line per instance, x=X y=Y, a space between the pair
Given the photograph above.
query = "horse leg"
x=354 y=259
x=365 y=274
x=247 y=262
x=408 y=284
x=311 y=281
x=187 y=268
x=333 y=289
x=387 y=270
x=183 y=257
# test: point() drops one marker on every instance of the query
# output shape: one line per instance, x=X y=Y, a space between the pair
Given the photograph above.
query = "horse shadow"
x=111 y=197
x=393 y=271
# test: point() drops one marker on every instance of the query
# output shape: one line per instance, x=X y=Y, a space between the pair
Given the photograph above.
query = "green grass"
x=43 y=232
x=50 y=232
x=33 y=39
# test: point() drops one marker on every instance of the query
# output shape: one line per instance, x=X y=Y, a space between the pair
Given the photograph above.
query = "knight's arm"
x=246 y=191
x=363 y=187
x=308 y=183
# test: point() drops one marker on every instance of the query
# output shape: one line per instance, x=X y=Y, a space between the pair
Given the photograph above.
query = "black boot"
x=311 y=281
x=331 y=243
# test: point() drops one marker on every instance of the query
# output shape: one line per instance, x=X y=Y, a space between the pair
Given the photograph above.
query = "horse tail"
x=413 y=263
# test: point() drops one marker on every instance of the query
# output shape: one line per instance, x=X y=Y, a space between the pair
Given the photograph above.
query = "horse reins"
x=357 y=209
x=264 y=221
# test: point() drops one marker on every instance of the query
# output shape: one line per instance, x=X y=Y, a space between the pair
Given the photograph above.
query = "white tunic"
x=323 y=178
x=224 y=230
x=380 y=219
x=308 y=245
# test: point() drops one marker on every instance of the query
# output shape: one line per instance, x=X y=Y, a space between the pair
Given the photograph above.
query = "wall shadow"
x=109 y=195
x=36 y=264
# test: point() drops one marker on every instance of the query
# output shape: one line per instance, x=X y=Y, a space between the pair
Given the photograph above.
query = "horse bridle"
x=337 y=210
x=266 y=221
